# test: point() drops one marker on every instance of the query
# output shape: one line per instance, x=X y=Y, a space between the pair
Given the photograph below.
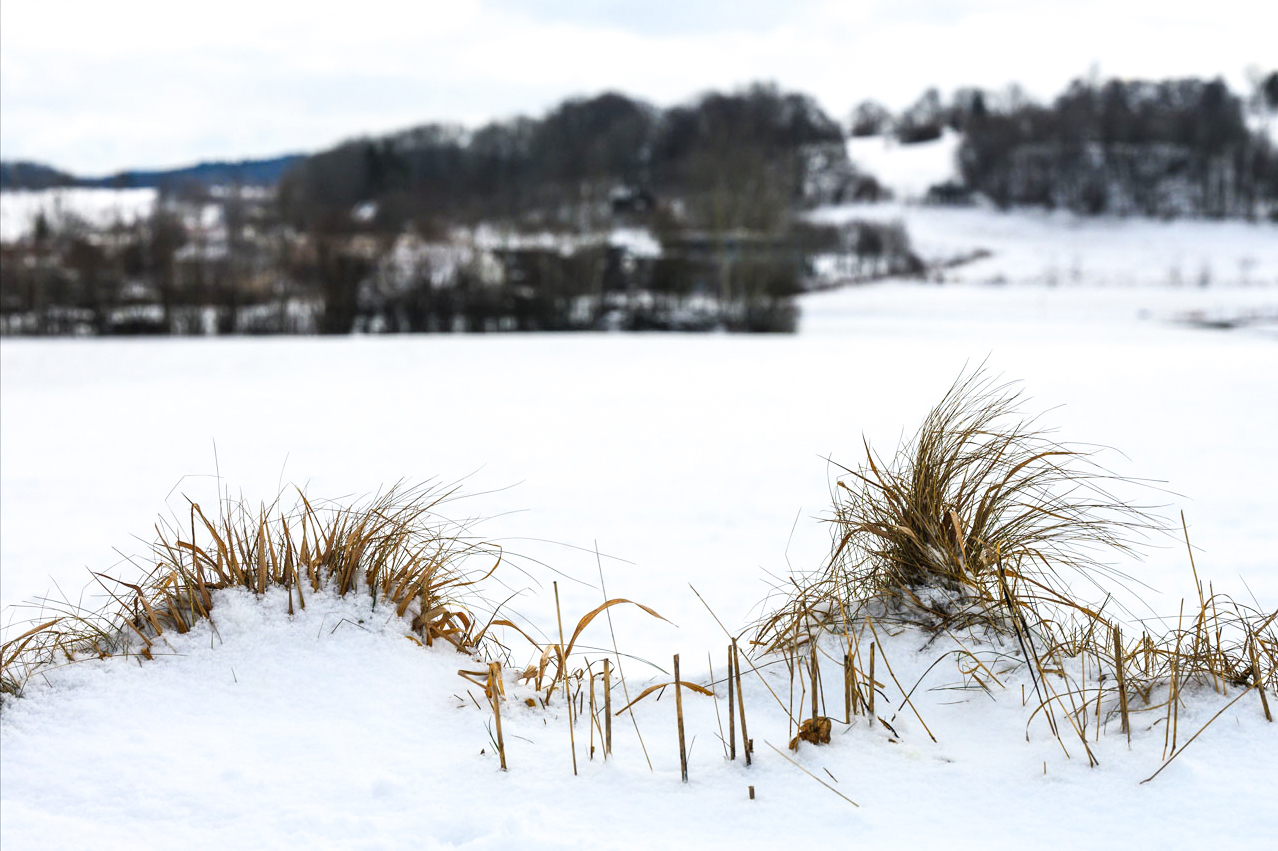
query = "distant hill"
x=265 y=172
x=27 y=175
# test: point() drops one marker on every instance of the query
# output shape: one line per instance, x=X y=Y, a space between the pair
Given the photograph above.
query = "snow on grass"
x=99 y=208
x=689 y=459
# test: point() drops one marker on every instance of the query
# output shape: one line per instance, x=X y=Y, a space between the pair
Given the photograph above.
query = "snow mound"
x=331 y=729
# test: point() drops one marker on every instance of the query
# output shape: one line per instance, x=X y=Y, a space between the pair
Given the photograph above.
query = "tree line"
x=1168 y=148
x=736 y=159
x=396 y=233
x=604 y=213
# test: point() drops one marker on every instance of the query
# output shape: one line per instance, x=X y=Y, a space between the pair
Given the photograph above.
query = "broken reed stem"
x=792 y=662
x=847 y=689
x=801 y=665
x=1100 y=691
x=683 y=753
x=1171 y=698
x=1258 y=680
x=494 y=688
x=732 y=718
x=872 y=687
x=815 y=671
x=1175 y=684
x=607 y=676
x=563 y=672
x=736 y=672
x=1119 y=667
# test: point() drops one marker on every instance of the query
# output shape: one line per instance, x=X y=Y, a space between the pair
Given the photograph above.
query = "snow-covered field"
x=690 y=460
x=1059 y=249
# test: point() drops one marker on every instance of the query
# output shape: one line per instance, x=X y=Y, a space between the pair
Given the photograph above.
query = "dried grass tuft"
x=981 y=496
x=395 y=547
x=984 y=523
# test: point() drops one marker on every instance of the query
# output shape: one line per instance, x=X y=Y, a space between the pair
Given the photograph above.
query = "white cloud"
x=95 y=87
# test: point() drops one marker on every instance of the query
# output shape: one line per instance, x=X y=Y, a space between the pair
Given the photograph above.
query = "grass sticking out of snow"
x=967 y=538
x=983 y=524
x=395 y=548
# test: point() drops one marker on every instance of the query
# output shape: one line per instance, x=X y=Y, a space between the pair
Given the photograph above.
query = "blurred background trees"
x=608 y=212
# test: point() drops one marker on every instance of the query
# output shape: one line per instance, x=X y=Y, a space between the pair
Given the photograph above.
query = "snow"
x=689 y=460
x=1062 y=249
x=99 y=208
x=636 y=241
x=908 y=170
x=639 y=242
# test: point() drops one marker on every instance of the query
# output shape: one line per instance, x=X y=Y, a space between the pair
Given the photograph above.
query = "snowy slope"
x=908 y=170
x=1062 y=249
x=100 y=208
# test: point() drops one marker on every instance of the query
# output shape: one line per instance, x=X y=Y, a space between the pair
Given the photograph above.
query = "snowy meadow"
x=659 y=463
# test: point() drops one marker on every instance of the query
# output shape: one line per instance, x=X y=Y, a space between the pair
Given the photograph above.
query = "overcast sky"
x=94 y=87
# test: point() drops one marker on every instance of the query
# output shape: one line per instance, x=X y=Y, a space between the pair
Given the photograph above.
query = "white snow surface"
x=908 y=170
x=99 y=208
x=690 y=460
x=1060 y=249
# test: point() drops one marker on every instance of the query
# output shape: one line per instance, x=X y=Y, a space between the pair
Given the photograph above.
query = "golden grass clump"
x=395 y=547
x=981 y=496
x=983 y=523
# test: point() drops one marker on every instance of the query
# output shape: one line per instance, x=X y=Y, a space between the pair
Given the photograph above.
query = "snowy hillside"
x=907 y=170
x=100 y=208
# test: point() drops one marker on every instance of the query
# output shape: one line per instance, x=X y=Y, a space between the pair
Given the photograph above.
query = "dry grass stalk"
x=563 y=670
x=495 y=687
x=1257 y=681
x=809 y=773
x=607 y=678
x=814 y=669
x=736 y=672
x=873 y=685
x=732 y=719
x=1120 y=665
x=683 y=753
x=1176 y=753
x=659 y=689
x=892 y=674
x=847 y=689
